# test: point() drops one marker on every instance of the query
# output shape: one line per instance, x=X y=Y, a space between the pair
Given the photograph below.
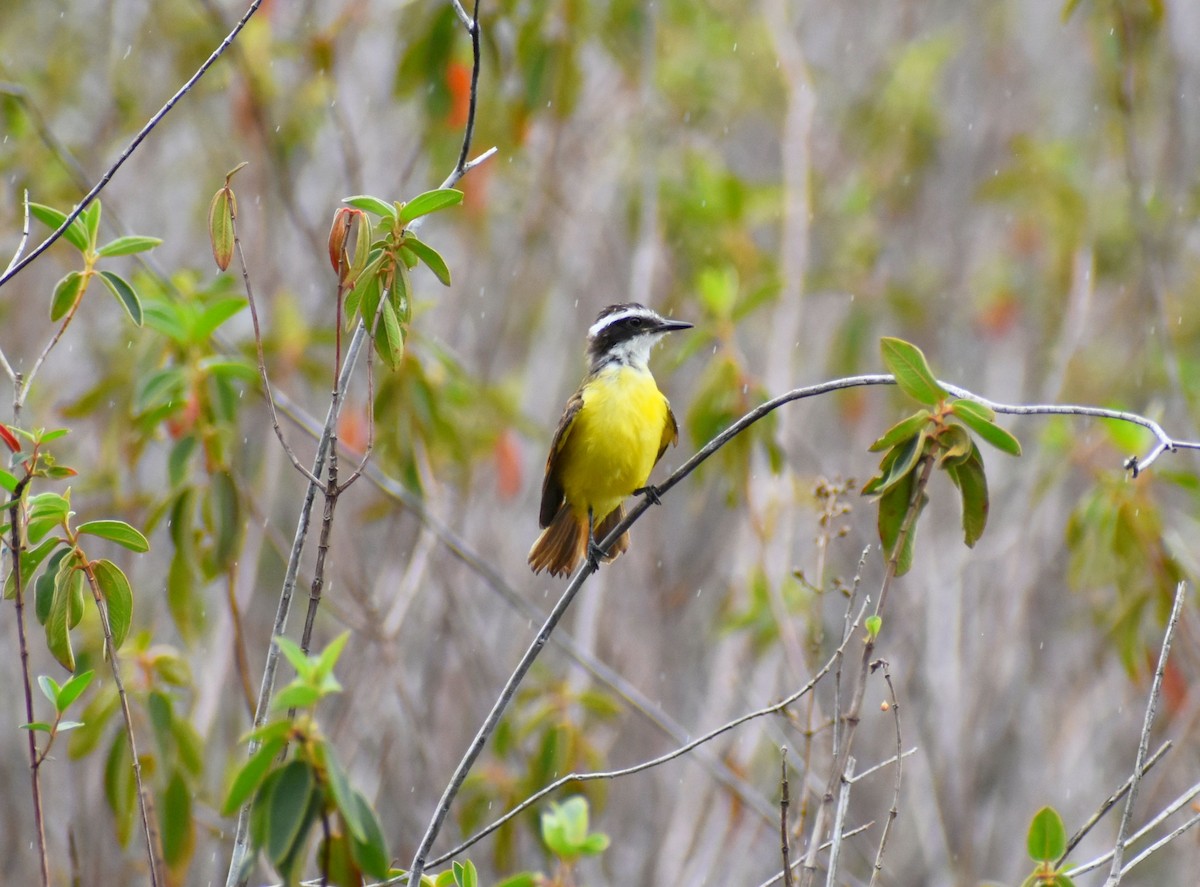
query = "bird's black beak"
x=670 y=326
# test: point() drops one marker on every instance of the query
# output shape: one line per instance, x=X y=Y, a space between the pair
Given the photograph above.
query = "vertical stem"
x=148 y=827
x=809 y=871
x=15 y=546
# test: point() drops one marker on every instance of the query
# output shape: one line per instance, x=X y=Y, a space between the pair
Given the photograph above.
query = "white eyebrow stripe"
x=605 y=322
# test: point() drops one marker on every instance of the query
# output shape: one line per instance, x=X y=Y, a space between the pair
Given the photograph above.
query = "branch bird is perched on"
x=612 y=432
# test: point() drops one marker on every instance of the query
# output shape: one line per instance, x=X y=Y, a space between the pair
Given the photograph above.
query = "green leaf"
x=37 y=727
x=49 y=688
x=389 y=339
x=230 y=369
x=118 y=596
x=128 y=245
x=120 y=788
x=297 y=657
x=955 y=444
x=893 y=507
x=252 y=774
x=8 y=481
x=902 y=465
x=72 y=689
x=220 y=226
x=178 y=827
x=116 y=531
x=296 y=695
x=288 y=809
x=64 y=726
x=465 y=874
x=972 y=408
x=971 y=481
x=594 y=844
x=44 y=588
x=329 y=656
x=372 y=854
x=373 y=205
x=91 y=221
x=1047 y=839
x=76 y=234
x=339 y=788
x=429 y=202
x=993 y=434
x=215 y=314
x=66 y=293
x=902 y=430
x=58 y=638
x=432 y=259
x=873 y=624
x=906 y=362
x=31 y=559
x=124 y=294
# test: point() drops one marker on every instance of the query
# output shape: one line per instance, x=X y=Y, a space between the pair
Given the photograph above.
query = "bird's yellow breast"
x=613 y=441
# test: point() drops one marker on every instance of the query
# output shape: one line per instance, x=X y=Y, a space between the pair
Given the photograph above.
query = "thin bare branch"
x=132 y=146
x=1115 y=872
x=784 y=849
x=645 y=765
x=1108 y=804
x=839 y=820
x=894 y=810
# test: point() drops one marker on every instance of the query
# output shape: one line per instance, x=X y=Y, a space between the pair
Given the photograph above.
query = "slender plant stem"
x=148 y=827
x=784 y=849
x=15 y=547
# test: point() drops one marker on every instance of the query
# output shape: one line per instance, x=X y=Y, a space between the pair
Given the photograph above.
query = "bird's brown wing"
x=670 y=435
x=552 y=491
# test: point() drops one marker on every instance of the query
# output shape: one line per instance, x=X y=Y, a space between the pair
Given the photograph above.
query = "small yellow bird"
x=613 y=431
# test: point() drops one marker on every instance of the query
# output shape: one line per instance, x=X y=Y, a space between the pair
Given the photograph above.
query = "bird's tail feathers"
x=563 y=544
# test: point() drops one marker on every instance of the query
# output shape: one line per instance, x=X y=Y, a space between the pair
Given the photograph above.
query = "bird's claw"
x=595 y=554
x=650 y=492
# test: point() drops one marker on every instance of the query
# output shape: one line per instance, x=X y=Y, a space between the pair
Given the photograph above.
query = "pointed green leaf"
x=432 y=259
x=76 y=234
x=893 y=508
x=1047 y=839
x=49 y=688
x=37 y=727
x=993 y=434
x=72 y=690
x=220 y=226
x=124 y=294
x=296 y=695
x=91 y=221
x=389 y=339
x=370 y=204
x=118 y=596
x=906 y=362
x=291 y=650
x=372 y=854
x=58 y=637
x=971 y=481
x=287 y=809
x=430 y=201
x=8 y=482
x=962 y=406
x=116 y=531
x=339 y=788
x=128 y=245
x=66 y=293
x=902 y=430
x=329 y=656
x=908 y=454
x=253 y=772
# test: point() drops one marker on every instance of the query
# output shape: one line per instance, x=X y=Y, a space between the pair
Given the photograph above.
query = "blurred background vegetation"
x=1011 y=185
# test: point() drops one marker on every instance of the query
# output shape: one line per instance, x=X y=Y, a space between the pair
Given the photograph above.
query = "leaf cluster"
x=311 y=790
x=83 y=233
x=937 y=435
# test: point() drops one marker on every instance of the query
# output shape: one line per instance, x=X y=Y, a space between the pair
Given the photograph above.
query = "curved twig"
x=131 y=147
